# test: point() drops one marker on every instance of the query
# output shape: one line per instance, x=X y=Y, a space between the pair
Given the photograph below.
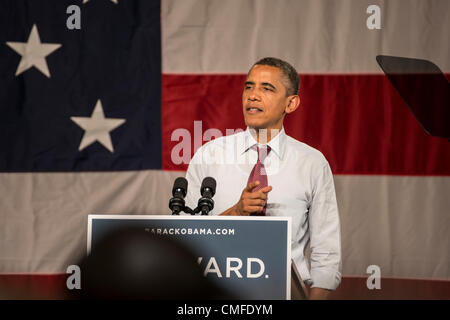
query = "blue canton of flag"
x=80 y=100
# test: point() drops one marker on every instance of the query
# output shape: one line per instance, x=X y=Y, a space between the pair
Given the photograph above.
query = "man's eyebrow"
x=269 y=85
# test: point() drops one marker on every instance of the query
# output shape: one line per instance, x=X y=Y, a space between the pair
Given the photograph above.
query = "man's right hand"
x=250 y=201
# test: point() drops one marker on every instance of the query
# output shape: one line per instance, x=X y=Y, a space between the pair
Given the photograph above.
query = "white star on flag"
x=97 y=128
x=115 y=1
x=33 y=52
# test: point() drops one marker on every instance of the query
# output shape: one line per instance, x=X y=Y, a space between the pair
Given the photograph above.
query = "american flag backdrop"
x=89 y=119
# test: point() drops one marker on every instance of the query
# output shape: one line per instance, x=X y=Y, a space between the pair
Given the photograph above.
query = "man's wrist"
x=231 y=212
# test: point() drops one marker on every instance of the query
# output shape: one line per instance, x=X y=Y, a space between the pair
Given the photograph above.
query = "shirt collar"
x=277 y=144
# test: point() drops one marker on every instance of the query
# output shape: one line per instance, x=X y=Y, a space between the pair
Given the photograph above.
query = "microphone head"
x=209 y=183
x=180 y=184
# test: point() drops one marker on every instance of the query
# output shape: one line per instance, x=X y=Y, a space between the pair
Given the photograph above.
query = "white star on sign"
x=33 y=52
x=97 y=128
x=115 y=1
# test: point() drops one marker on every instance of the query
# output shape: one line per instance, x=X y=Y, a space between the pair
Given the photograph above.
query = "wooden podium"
x=298 y=289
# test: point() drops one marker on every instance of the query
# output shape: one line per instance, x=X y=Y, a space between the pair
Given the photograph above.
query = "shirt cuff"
x=325 y=278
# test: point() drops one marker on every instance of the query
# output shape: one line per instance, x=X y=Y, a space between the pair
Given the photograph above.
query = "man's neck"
x=263 y=136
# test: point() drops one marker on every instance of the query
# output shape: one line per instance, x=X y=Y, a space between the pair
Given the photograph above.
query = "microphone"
x=207 y=190
x=179 y=190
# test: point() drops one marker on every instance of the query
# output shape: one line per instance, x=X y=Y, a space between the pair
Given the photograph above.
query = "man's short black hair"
x=291 y=75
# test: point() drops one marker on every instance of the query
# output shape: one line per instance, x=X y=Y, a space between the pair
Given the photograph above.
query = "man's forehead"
x=263 y=73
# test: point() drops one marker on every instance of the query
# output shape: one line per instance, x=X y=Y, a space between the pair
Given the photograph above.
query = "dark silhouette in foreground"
x=134 y=264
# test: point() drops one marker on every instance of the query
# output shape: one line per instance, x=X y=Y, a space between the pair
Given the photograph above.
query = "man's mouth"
x=253 y=109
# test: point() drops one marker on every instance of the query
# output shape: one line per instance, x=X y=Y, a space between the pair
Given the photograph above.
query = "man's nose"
x=253 y=96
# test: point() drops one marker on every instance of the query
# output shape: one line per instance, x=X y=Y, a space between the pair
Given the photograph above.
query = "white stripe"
x=316 y=36
x=43 y=220
x=398 y=223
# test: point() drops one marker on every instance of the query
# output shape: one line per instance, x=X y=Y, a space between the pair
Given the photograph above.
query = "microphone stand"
x=190 y=211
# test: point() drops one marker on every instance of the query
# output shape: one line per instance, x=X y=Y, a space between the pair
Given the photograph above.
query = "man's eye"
x=268 y=89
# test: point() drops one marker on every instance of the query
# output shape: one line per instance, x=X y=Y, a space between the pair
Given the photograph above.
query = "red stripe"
x=359 y=122
x=355 y=288
x=53 y=286
x=33 y=286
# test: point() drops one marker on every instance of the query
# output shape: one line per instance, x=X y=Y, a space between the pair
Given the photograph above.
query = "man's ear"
x=293 y=104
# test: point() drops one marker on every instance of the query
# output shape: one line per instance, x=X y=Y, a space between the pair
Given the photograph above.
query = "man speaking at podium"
x=263 y=171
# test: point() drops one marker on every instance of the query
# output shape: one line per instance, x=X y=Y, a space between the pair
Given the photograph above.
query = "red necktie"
x=259 y=174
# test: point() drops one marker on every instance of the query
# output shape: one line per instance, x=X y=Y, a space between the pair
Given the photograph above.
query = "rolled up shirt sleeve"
x=325 y=235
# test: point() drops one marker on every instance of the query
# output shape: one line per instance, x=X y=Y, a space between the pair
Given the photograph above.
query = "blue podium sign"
x=247 y=255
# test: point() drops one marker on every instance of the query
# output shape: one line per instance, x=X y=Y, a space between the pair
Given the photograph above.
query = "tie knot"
x=262 y=152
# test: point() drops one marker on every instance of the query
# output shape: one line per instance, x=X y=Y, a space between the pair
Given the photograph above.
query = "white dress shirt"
x=302 y=188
